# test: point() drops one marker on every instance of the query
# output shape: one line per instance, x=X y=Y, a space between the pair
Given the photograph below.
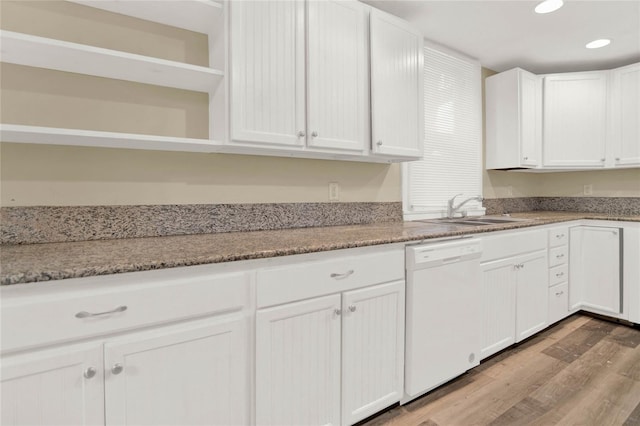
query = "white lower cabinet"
x=174 y=351
x=62 y=386
x=330 y=360
x=595 y=261
x=514 y=293
x=191 y=374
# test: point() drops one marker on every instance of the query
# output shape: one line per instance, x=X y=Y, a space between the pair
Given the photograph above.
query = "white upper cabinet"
x=575 y=119
x=337 y=75
x=268 y=72
x=278 y=98
x=513 y=120
x=625 y=115
x=396 y=87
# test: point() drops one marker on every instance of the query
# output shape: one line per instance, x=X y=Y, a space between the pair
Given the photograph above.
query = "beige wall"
x=54 y=175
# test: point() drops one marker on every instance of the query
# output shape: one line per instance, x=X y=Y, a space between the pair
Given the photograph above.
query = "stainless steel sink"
x=476 y=220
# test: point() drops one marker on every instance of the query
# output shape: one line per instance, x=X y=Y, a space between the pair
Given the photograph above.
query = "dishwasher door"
x=443 y=312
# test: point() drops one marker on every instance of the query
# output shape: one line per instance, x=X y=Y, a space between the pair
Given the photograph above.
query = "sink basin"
x=475 y=220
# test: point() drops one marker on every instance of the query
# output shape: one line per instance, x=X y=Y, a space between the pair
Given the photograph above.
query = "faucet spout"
x=452 y=210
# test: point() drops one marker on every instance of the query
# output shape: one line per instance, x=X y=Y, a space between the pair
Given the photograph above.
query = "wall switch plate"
x=334 y=191
x=588 y=190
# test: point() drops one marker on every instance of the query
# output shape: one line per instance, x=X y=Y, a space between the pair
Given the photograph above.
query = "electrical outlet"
x=334 y=191
x=588 y=190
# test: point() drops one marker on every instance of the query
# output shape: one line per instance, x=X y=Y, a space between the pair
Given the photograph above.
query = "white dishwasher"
x=443 y=312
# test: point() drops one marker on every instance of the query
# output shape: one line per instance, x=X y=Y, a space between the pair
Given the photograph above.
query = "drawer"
x=558 y=236
x=307 y=279
x=558 y=256
x=512 y=244
x=558 y=302
x=125 y=303
x=558 y=274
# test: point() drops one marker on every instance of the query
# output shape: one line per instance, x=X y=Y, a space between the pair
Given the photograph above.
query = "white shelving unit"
x=203 y=16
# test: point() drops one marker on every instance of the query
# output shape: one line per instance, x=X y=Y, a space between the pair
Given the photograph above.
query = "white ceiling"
x=507 y=34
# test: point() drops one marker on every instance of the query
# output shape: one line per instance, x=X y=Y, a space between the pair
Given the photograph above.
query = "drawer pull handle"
x=352 y=308
x=559 y=274
x=560 y=256
x=559 y=236
x=560 y=293
x=89 y=372
x=85 y=314
x=342 y=276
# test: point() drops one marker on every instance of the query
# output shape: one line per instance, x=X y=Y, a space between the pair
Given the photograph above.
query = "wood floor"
x=582 y=371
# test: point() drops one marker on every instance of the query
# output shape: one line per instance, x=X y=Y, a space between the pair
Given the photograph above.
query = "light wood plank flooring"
x=582 y=371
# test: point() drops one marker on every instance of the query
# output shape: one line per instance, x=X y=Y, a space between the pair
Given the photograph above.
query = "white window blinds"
x=452 y=162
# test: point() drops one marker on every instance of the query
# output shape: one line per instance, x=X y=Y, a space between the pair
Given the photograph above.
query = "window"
x=452 y=162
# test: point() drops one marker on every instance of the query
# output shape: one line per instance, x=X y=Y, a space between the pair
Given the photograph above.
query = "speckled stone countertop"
x=56 y=261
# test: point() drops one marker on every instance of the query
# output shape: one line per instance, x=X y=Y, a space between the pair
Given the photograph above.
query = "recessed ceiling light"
x=548 y=6
x=595 y=44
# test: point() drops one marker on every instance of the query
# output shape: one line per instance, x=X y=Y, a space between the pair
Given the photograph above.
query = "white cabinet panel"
x=513 y=119
x=575 y=117
x=396 y=87
x=594 y=278
x=558 y=302
x=373 y=350
x=192 y=374
x=267 y=72
x=532 y=295
x=626 y=115
x=499 y=306
x=337 y=73
x=298 y=363
x=53 y=387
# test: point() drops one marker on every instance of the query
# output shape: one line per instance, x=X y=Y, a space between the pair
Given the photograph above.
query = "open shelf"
x=75 y=137
x=41 y=52
x=202 y=16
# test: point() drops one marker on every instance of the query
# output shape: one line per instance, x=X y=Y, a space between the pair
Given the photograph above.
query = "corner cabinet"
x=513 y=120
x=575 y=119
x=397 y=117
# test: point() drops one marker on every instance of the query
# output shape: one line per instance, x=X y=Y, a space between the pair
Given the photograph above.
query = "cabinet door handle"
x=602 y=159
x=379 y=143
x=352 y=308
x=342 y=276
x=89 y=372
x=559 y=274
x=617 y=158
x=85 y=314
x=314 y=134
x=560 y=293
x=301 y=134
x=117 y=368
x=525 y=158
x=337 y=312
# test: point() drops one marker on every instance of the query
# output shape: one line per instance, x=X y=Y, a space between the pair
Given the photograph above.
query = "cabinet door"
x=267 y=72
x=396 y=87
x=372 y=350
x=53 y=387
x=338 y=77
x=298 y=363
x=594 y=277
x=530 y=118
x=626 y=115
x=192 y=374
x=498 y=306
x=532 y=295
x=575 y=109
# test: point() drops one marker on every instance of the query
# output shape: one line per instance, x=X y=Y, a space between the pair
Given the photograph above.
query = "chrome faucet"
x=451 y=210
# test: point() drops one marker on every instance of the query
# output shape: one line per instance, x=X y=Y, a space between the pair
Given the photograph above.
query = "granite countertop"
x=55 y=261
